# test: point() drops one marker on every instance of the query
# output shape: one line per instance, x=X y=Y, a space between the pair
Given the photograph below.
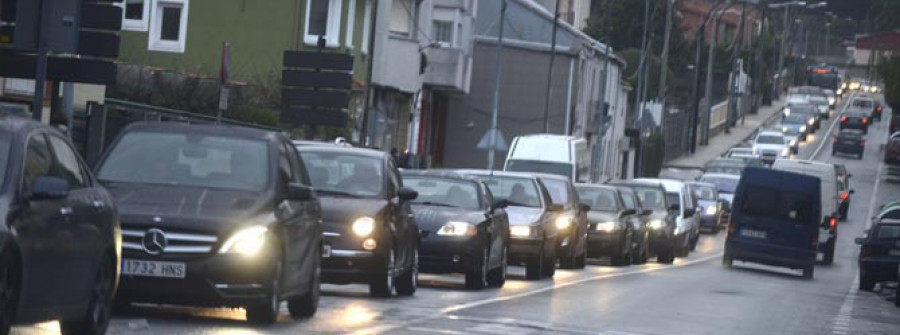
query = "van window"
x=764 y=202
x=561 y=169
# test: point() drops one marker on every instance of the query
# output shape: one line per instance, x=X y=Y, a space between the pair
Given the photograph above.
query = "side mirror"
x=860 y=240
x=627 y=212
x=852 y=191
x=674 y=208
x=407 y=194
x=585 y=207
x=46 y=188
x=689 y=212
x=726 y=205
x=647 y=212
x=300 y=192
x=499 y=203
x=556 y=208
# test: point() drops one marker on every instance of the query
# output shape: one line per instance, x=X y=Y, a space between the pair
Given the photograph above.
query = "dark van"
x=775 y=220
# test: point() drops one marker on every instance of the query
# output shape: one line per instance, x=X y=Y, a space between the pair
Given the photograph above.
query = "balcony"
x=448 y=69
x=397 y=64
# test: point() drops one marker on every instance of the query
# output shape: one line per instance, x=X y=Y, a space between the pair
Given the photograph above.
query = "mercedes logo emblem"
x=154 y=241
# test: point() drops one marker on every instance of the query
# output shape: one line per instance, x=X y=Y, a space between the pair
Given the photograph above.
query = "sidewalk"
x=720 y=144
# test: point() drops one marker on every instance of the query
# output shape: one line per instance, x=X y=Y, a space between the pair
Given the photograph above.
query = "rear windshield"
x=560 y=169
x=600 y=199
x=517 y=190
x=863 y=103
x=887 y=232
x=764 y=202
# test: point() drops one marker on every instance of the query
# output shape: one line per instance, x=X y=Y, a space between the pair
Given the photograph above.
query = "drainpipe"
x=569 y=97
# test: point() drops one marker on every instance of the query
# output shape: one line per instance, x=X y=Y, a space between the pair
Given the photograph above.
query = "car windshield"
x=803 y=109
x=342 y=173
x=795 y=118
x=887 y=232
x=600 y=199
x=519 y=191
x=214 y=161
x=790 y=131
x=862 y=103
x=560 y=169
x=769 y=139
x=673 y=198
x=818 y=100
x=5 y=144
x=724 y=185
x=704 y=192
x=651 y=198
x=438 y=191
x=559 y=190
x=741 y=151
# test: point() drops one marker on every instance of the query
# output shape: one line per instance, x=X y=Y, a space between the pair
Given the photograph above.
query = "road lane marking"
x=831 y=128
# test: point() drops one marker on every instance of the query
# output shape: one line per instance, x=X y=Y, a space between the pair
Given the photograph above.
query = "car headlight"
x=711 y=210
x=785 y=152
x=811 y=121
x=520 y=231
x=755 y=151
x=784 y=129
x=656 y=224
x=563 y=222
x=802 y=129
x=363 y=226
x=606 y=226
x=246 y=242
x=456 y=228
x=840 y=91
x=787 y=112
x=793 y=143
x=831 y=101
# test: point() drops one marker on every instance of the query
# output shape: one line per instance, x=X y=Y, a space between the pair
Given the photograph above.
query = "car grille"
x=769 y=153
x=177 y=242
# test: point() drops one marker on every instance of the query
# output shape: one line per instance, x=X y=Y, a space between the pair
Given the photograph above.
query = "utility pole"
x=735 y=74
x=495 y=109
x=714 y=40
x=550 y=70
x=664 y=61
x=786 y=29
x=639 y=111
x=40 y=81
x=758 y=67
x=601 y=130
x=827 y=39
x=369 y=96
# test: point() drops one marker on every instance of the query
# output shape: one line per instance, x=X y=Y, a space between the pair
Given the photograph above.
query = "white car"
x=743 y=152
x=771 y=145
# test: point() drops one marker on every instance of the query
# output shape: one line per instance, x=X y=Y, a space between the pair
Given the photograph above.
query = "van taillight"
x=878 y=108
x=865 y=120
x=832 y=222
x=843 y=119
x=845 y=195
x=862 y=143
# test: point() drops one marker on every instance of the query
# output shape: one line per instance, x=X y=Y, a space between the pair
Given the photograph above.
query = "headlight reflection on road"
x=355 y=314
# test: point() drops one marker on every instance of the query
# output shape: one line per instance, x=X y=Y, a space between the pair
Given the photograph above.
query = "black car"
x=811 y=112
x=371 y=236
x=855 y=119
x=844 y=193
x=849 y=141
x=660 y=222
x=638 y=221
x=711 y=209
x=60 y=241
x=879 y=254
x=532 y=219
x=464 y=230
x=613 y=230
x=572 y=225
x=214 y=216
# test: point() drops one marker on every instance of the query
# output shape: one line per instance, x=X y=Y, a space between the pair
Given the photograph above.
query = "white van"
x=827 y=176
x=555 y=154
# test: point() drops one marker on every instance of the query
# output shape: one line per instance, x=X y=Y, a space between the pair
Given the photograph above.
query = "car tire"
x=866 y=283
x=808 y=272
x=382 y=286
x=534 y=268
x=861 y=155
x=476 y=277
x=828 y=253
x=581 y=261
x=693 y=242
x=497 y=277
x=667 y=256
x=96 y=319
x=622 y=257
x=9 y=289
x=266 y=311
x=409 y=280
x=727 y=261
x=550 y=264
x=683 y=248
x=641 y=257
x=305 y=306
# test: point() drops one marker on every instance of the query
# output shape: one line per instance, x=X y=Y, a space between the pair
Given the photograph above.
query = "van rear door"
x=777 y=208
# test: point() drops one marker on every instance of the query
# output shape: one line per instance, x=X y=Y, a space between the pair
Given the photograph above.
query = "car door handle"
x=66 y=210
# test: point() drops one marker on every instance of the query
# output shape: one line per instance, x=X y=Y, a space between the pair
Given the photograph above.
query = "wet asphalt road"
x=696 y=295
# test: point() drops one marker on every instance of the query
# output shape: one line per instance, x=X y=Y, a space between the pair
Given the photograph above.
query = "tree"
x=889 y=69
x=887 y=15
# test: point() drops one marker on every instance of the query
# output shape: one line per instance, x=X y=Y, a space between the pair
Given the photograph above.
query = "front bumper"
x=661 y=240
x=214 y=280
x=601 y=244
x=709 y=221
x=524 y=249
x=449 y=254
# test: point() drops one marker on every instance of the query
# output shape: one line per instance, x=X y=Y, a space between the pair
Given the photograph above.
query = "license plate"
x=326 y=250
x=135 y=267
x=894 y=252
x=753 y=233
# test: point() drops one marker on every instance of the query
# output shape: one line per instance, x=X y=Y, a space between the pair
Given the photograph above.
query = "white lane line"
x=443 y=312
x=831 y=128
x=434 y=330
x=841 y=325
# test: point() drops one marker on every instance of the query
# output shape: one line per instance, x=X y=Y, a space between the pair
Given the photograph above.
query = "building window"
x=367 y=21
x=351 y=23
x=443 y=33
x=135 y=15
x=323 y=18
x=402 y=14
x=168 y=26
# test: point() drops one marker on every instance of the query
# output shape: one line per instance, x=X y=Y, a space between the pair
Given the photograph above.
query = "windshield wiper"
x=337 y=193
x=519 y=204
x=429 y=203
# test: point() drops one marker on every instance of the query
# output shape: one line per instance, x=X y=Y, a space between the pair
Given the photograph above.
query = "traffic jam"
x=215 y=216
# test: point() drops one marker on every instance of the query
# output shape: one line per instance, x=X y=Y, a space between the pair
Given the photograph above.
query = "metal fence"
x=676 y=129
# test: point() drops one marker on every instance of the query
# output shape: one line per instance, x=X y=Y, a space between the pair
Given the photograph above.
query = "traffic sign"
x=492 y=139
